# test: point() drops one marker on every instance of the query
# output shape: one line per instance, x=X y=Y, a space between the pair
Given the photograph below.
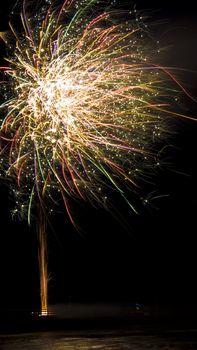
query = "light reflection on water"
x=59 y=341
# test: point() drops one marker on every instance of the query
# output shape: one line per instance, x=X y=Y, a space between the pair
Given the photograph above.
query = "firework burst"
x=82 y=106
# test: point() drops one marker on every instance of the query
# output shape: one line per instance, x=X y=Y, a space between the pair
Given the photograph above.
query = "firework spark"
x=83 y=107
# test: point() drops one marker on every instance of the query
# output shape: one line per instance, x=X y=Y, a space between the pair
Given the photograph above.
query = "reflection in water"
x=59 y=341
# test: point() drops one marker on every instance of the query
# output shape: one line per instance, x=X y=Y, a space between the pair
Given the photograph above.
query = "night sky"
x=147 y=258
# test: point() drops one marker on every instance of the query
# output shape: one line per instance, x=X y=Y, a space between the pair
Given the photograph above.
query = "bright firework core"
x=57 y=98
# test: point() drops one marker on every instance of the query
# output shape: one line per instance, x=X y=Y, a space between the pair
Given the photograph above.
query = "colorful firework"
x=83 y=108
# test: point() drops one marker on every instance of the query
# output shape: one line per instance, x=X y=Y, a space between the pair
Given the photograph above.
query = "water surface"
x=176 y=340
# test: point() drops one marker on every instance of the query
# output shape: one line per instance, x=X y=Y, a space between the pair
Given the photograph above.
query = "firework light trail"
x=83 y=108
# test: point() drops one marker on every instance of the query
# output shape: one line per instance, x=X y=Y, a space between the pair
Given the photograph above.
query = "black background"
x=151 y=258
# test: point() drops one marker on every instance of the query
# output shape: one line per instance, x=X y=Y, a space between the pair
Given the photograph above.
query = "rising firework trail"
x=83 y=107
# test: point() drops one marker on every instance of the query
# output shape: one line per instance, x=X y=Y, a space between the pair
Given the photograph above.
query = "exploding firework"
x=83 y=108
